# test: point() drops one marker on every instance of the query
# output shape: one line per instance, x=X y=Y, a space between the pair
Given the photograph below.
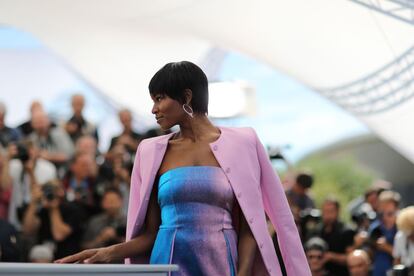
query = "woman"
x=198 y=196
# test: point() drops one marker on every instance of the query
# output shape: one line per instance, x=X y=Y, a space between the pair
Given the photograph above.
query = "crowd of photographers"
x=59 y=194
x=379 y=241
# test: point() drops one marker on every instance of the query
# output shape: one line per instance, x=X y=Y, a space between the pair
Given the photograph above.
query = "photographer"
x=109 y=227
x=336 y=234
x=52 y=220
x=7 y=135
x=298 y=194
x=77 y=125
x=128 y=138
x=26 y=169
x=115 y=172
x=79 y=183
x=54 y=142
x=382 y=232
x=363 y=217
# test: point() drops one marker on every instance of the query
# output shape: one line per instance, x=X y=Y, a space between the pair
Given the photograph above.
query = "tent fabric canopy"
x=349 y=53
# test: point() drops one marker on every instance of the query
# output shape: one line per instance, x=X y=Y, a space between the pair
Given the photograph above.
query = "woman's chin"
x=165 y=127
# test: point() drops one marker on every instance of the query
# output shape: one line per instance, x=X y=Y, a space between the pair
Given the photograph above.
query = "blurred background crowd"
x=59 y=194
x=376 y=236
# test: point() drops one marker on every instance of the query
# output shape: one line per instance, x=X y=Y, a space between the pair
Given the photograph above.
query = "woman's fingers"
x=100 y=256
x=77 y=258
x=69 y=259
x=92 y=259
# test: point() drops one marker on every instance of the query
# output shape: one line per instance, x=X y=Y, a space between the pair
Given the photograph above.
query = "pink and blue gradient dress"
x=196 y=229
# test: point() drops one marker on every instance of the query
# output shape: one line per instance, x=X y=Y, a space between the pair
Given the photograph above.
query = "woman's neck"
x=198 y=129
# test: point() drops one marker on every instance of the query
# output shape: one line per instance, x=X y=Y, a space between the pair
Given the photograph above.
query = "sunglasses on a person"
x=315 y=256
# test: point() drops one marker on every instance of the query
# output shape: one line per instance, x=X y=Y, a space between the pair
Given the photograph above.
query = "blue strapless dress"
x=196 y=229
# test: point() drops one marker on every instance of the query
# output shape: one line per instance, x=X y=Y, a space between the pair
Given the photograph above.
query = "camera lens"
x=48 y=191
x=22 y=153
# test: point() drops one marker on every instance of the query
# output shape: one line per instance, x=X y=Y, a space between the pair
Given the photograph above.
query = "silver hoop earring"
x=187 y=109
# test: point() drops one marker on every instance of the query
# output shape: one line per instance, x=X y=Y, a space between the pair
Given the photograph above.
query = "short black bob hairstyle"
x=175 y=77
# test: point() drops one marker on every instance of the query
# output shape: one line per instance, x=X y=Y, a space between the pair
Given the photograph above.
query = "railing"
x=27 y=269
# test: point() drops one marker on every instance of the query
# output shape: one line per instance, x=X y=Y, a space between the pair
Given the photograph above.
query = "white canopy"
x=359 y=57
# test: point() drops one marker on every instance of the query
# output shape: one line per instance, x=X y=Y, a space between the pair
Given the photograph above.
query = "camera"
x=310 y=216
x=363 y=215
x=309 y=219
x=81 y=192
x=48 y=190
x=78 y=122
x=22 y=153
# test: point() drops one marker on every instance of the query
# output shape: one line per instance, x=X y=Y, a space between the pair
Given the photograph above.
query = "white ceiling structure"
x=358 y=53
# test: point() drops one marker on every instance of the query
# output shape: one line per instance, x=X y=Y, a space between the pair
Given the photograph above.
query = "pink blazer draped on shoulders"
x=255 y=185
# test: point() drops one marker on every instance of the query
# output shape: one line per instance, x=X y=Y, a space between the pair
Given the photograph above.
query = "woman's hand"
x=89 y=256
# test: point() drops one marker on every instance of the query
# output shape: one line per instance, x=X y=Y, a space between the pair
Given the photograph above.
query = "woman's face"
x=168 y=112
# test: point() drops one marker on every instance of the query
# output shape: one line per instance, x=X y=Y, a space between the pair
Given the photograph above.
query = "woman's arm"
x=246 y=248
x=279 y=213
x=144 y=242
x=138 y=245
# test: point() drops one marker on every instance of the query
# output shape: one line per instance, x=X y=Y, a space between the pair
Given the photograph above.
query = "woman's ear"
x=188 y=95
